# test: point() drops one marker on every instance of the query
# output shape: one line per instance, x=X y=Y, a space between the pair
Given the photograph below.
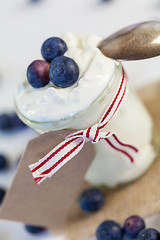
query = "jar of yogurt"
x=83 y=104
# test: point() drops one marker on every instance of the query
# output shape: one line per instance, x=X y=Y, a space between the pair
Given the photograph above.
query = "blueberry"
x=2 y=194
x=16 y=122
x=53 y=47
x=38 y=73
x=91 y=200
x=109 y=230
x=10 y=122
x=132 y=226
x=34 y=1
x=3 y=162
x=63 y=72
x=5 y=122
x=149 y=234
x=34 y=230
x=106 y=1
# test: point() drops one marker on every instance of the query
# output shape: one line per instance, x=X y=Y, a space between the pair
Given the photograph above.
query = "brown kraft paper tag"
x=47 y=204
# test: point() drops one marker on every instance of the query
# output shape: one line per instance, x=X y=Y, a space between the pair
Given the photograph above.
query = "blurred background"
x=24 y=25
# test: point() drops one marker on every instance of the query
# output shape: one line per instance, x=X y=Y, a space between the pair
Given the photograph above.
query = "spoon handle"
x=135 y=42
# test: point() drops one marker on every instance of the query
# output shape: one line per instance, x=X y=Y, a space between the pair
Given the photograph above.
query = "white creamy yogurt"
x=52 y=104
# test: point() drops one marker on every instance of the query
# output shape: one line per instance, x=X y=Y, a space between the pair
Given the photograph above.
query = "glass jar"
x=132 y=124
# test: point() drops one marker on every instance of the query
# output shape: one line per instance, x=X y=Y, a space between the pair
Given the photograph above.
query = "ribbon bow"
x=74 y=142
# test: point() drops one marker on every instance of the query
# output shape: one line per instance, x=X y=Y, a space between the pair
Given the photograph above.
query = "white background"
x=23 y=28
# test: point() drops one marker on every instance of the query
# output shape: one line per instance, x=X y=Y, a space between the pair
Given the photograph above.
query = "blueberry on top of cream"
x=63 y=72
x=53 y=47
x=54 y=102
x=38 y=73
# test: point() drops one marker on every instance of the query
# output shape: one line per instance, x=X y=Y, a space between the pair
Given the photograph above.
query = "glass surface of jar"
x=131 y=123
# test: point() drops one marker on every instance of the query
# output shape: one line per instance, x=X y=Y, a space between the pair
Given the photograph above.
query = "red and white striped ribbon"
x=74 y=142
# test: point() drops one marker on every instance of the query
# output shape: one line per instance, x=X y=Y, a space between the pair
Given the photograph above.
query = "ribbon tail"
x=55 y=159
x=127 y=150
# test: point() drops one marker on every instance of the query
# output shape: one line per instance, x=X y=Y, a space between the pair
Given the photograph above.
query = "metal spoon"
x=135 y=42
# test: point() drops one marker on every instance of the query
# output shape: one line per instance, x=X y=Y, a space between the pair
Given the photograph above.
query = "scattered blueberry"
x=38 y=73
x=16 y=122
x=132 y=226
x=3 y=162
x=53 y=47
x=109 y=230
x=149 y=234
x=106 y=0
x=33 y=1
x=34 y=230
x=91 y=200
x=5 y=122
x=2 y=193
x=63 y=72
x=10 y=122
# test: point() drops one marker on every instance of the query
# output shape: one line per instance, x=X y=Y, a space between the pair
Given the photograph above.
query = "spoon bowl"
x=135 y=42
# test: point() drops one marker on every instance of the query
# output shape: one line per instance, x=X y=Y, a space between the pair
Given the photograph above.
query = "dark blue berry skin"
x=53 y=47
x=34 y=230
x=16 y=122
x=149 y=234
x=91 y=200
x=2 y=194
x=106 y=0
x=34 y=1
x=109 y=230
x=63 y=72
x=38 y=73
x=5 y=122
x=10 y=122
x=3 y=162
x=133 y=226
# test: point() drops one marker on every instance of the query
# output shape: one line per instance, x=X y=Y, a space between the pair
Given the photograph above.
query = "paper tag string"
x=74 y=142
